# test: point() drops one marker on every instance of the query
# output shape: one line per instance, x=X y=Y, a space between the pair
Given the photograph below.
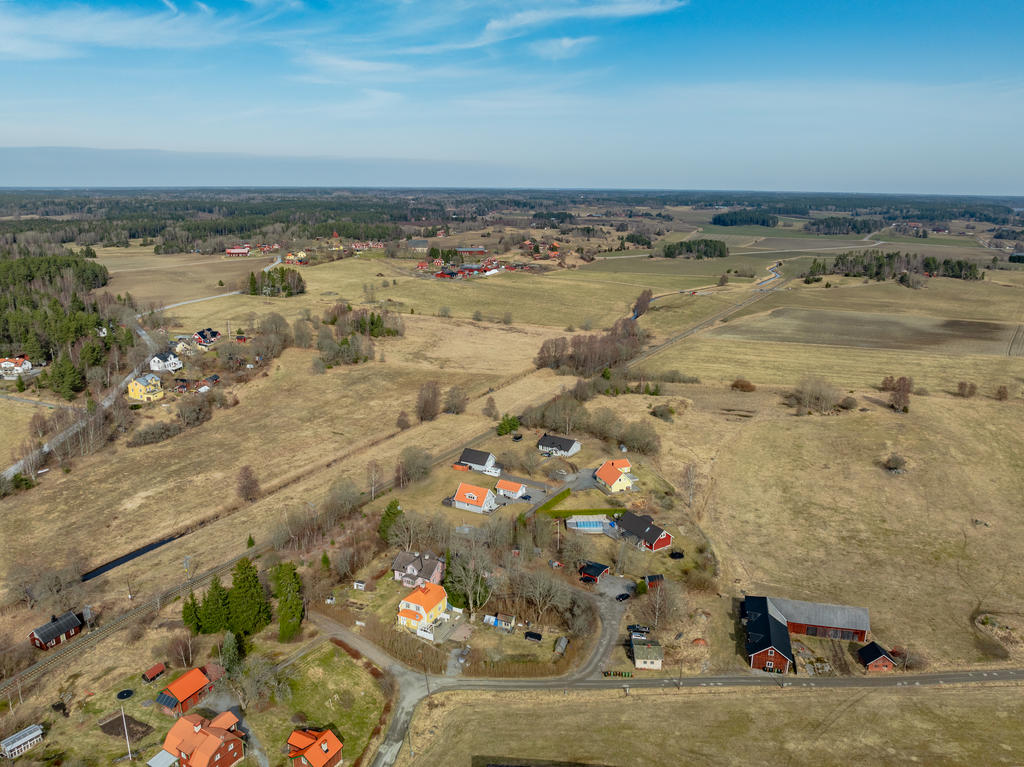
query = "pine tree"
x=230 y=653
x=288 y=587
x=214 y=613
x=391 y=513
x=20 y=384
x=248 y=608
x=253 y=287
x=190 y=613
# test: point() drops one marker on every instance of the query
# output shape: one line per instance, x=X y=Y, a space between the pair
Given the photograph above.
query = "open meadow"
x=937 y=726
x=166 y=279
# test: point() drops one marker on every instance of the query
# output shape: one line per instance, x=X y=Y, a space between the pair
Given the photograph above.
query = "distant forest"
x=844 y=225
x=745 y=218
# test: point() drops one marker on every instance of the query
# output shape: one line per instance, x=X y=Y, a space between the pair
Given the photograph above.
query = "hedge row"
x=554 y=500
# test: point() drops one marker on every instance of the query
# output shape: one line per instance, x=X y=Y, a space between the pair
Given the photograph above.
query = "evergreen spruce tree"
x=253 y=287
x=190 y=613
x=230 y=653
x=288 y=587
x=248 y=608
x=214 y=613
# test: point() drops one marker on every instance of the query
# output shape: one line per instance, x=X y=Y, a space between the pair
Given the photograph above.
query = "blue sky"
x=867 y=96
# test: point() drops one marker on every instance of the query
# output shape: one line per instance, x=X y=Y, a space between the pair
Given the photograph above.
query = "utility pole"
x=125 y=725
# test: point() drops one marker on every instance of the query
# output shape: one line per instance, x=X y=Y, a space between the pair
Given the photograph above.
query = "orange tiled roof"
x=504 y=484
x=200 y=739
x=610 y=471
x=320 y=746
x=471 y=494
x=410 y=614
x=188 y=684
x=428 y=596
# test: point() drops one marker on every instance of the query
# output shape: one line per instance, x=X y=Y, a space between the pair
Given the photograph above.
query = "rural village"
x=340 y=498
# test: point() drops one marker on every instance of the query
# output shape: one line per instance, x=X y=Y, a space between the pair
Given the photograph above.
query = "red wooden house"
x=59 y=629
x=876 y=658
x=640 y=529
x=184 y=692
x=197 y=742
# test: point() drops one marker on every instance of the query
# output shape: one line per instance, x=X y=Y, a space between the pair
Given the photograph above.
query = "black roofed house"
x=768 y=646
x=59 y=629
x=478 y=460
x=592 y=571
x=561 y=446
x=876 y=658
x=641 y=530
x=414 y=568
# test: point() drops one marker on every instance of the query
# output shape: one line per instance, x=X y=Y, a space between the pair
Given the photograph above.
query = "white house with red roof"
x=472 y=498
x=12 y=367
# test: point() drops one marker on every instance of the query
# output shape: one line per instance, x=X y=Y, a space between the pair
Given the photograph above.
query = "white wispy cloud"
x=557 y=48
x=65 y=32
x=203 y=7
x=551 y=13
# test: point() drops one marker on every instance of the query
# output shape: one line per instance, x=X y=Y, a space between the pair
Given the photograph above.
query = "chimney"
x=323 y=745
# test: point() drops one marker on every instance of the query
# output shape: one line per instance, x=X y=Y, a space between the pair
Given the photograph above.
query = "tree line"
x=699 y=248
x=588 y=355
x=745 y=217
x=878 y=265
x=279 y=281
x=844 y=225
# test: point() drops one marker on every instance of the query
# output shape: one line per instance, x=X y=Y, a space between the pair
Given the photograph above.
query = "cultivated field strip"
x=1016 y=347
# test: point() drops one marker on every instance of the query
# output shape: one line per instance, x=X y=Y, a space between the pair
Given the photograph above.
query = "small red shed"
x=154 y=672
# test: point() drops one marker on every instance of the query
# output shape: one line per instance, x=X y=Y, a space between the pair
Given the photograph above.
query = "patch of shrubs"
x=157 y=432
x=895 y=462
x=848 y=403
x=664 y=412
x=742 y=384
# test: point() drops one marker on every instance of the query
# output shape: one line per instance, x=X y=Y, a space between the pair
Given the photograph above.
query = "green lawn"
x=331 y=690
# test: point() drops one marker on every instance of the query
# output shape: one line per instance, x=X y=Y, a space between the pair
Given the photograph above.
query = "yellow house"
x=423 y=606
x=614 y=475
x=145 y=388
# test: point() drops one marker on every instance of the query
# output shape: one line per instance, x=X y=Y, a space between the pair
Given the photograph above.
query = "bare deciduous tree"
x=491 y=409
x=180 y=648
x=374 y=473
x=428 y=401
x=690 y=482
x=248 y=484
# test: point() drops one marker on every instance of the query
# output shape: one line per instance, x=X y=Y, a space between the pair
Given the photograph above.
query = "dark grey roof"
x=765 y=628
x=476 y=457
x=594 y=569
x=423 y=563
x=869 y=653
x=165 y=356
x=640 y=526
x=166 y=699
x=417 y=243
x=57 y=626
x=818 y=614
x=558 y=443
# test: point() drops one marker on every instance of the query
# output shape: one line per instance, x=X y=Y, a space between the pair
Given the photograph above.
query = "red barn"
x=59 y=629
x=824 y=620
x=242 y=251
x=876 y=658
x=472 y=250
x=768 y=646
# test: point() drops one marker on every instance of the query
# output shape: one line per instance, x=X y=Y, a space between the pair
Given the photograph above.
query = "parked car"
x=533 y=636
x=527 y=498
x=622 y=597
x=637 y=628
x=464 y=654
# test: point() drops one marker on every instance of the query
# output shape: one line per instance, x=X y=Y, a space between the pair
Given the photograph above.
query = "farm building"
x=641 y=530
x=206 y=337
x=153 y=672
x=164 y=361
x=472 y=498
x=418 y=246
x=647 y=653
x=59 y=629
x=501 y=621
x=472 y=250
x=592 y=572
x=145 y=388
x=768 y=645
x=184 y=692
x=414 y=568
x=297 y=259
x=510 y=489
x=876 y=658
x=561 y=645
x=614 y=475
x=423 y=607
x=653 y=581
x=242 y=250
x=478 y=460
x=561 y=446
x=17 y=744
x=314 y=748
x=197 y=742
x=587 y=523
x=823 y=620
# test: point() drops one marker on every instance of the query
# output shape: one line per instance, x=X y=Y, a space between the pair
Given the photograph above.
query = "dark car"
x=533 y=636
x=622 y=597
x=527 y=498
x=636 y=628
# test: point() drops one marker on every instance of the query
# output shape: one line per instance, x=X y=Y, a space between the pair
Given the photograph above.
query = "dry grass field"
x=934 y=726
x=288 y=425
x=166 y=279
x=14 y=418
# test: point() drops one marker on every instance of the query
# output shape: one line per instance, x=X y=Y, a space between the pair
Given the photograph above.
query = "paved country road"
x=415 y=686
